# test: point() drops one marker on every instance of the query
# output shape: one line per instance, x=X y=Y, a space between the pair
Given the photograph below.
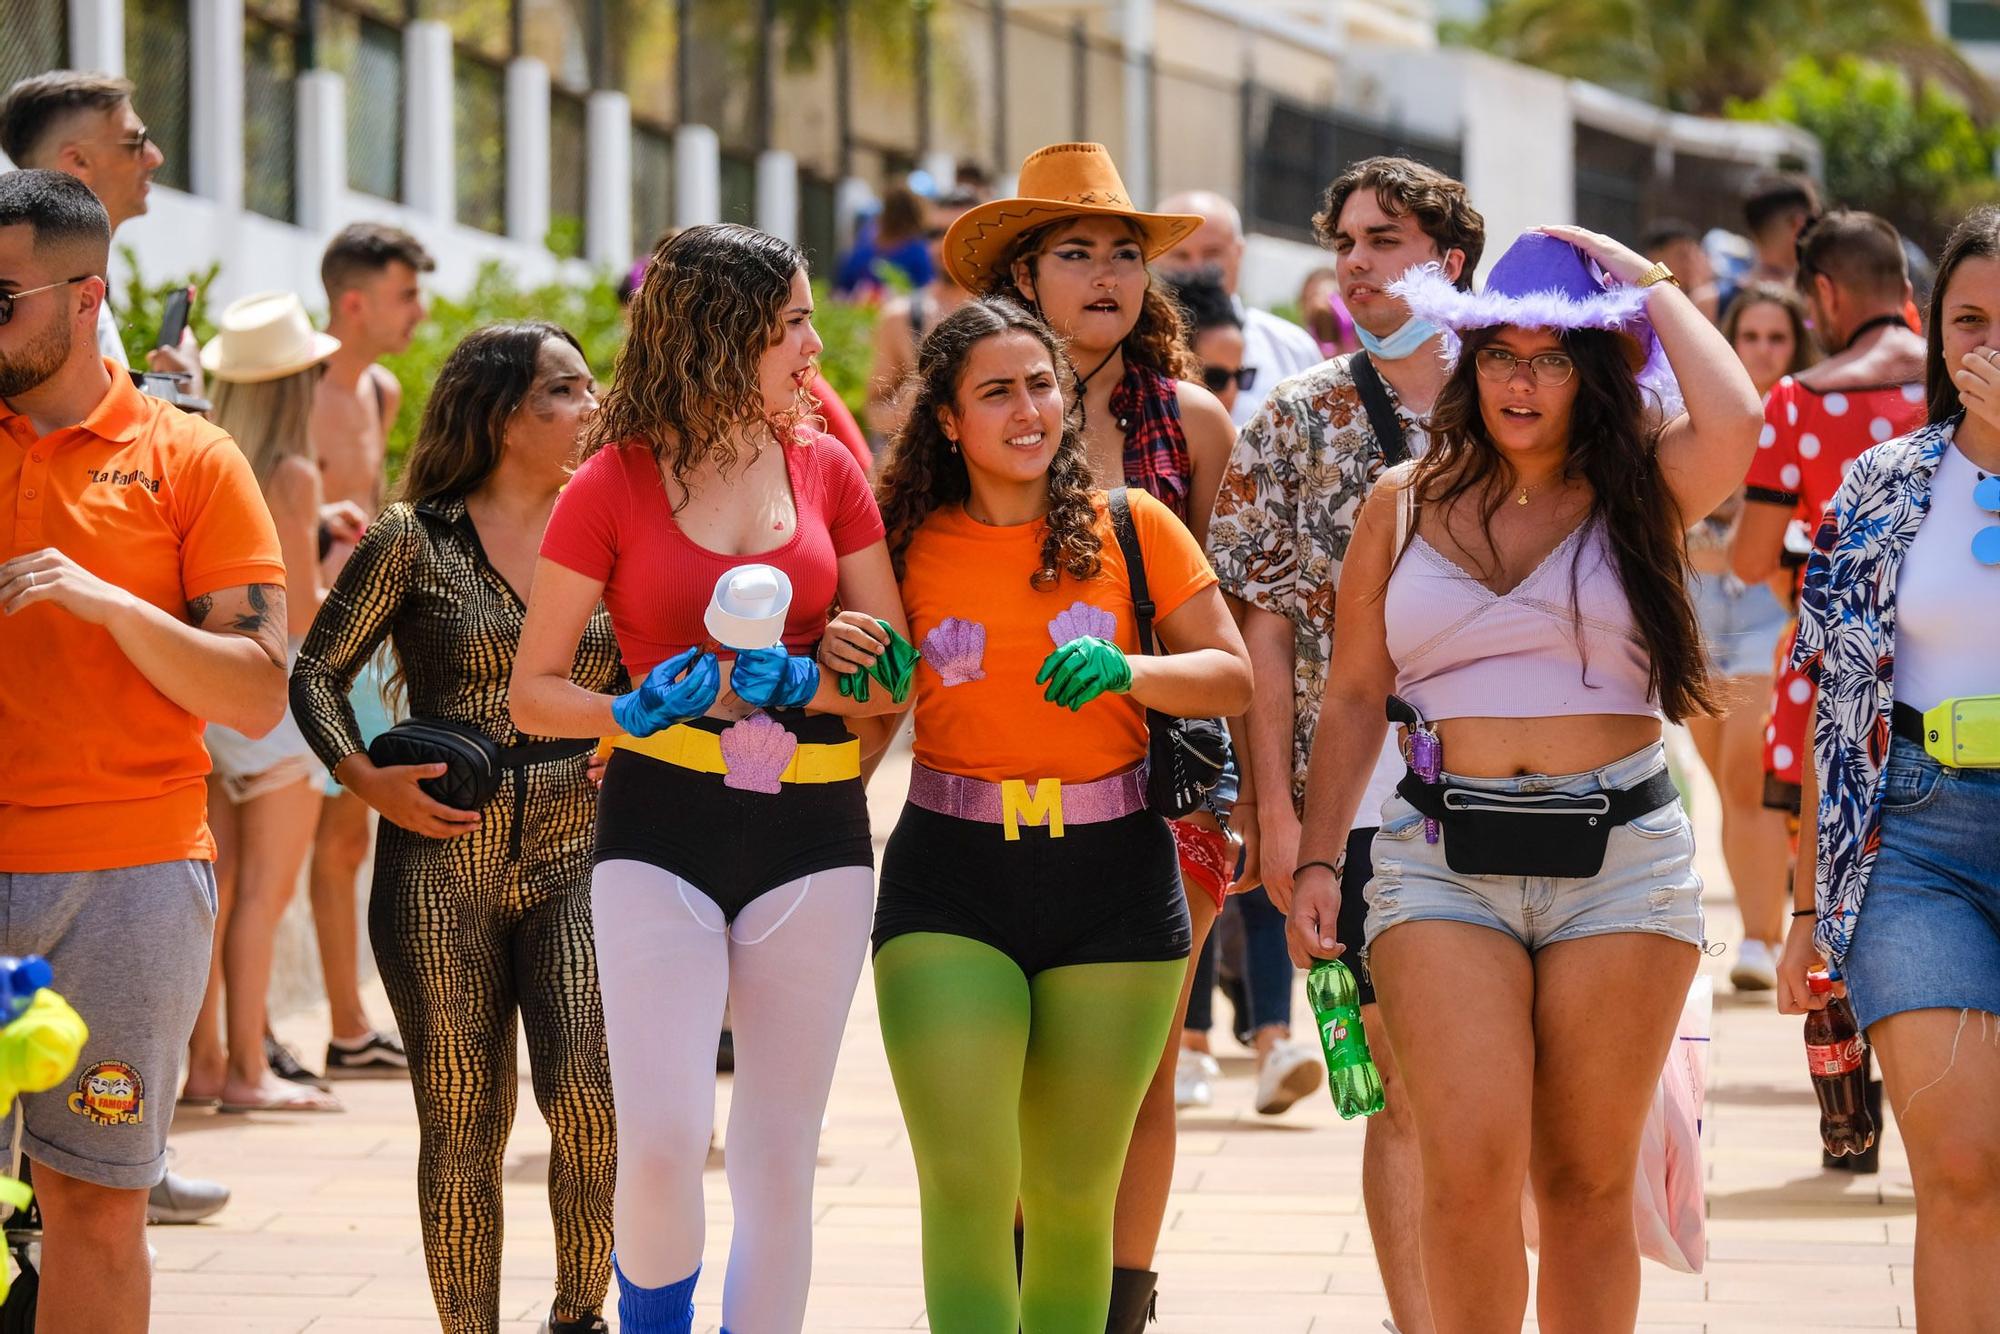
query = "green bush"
x=144 y=306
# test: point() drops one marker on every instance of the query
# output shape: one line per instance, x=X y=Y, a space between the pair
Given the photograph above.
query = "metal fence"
x=479 y=140
x=34 y=36
x=270 y=115
x=652 y=183
x=368 y=53
x=569 y=171
x=156 y=60
x=1612 y=176
x=1293 y=150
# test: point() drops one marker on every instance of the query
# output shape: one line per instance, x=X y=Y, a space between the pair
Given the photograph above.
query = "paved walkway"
x=1265 y=1234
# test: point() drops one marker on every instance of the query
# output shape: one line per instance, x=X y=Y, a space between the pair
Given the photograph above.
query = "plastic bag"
x=1669 y=1199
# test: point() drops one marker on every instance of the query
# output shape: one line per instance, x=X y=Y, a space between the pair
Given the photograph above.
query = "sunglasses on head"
x=7 y=299
x=1219 y=378
x=1986 y=542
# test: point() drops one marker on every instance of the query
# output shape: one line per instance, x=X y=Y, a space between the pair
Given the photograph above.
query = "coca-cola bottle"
x=1350 y=1069
x=1834 y=1050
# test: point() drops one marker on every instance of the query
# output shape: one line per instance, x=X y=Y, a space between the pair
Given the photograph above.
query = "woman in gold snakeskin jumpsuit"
x=476 y=915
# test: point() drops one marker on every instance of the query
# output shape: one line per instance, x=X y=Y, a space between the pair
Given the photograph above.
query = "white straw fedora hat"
x=264 y=337
x=749 y=606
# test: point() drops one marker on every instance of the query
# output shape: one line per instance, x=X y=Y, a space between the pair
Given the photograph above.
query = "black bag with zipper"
x=473 y=763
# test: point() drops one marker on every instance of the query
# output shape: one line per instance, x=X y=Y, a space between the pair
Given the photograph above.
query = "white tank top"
x=1947 y=603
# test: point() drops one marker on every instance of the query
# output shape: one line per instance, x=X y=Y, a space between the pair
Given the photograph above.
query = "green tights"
x=1018 y=1089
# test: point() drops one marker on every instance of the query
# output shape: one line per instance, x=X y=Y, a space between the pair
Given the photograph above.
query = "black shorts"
x=1102 y=893
x=1348 y=930
x=730 y=844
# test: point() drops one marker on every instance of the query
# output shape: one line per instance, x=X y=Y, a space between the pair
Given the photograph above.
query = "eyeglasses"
x=7 y=299
x=1986 y=542
x=1219 y=378
x=136 y=146
x=1545 y=368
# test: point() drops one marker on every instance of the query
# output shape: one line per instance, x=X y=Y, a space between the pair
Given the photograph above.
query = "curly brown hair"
x=1159 y=341
x=1611 y=447
x=1405 y=187
x=713 y=299
x=925 y=472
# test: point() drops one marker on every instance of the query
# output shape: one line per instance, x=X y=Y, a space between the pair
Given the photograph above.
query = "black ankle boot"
x=1131 y=1301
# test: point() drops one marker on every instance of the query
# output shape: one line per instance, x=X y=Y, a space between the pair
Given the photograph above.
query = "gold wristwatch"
x=1659 y=273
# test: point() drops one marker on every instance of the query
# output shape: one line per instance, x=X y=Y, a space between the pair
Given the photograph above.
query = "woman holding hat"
x=733 y=860
x=1518 y=597
x=480 y=919
x=264 y=795
x=1075 y=250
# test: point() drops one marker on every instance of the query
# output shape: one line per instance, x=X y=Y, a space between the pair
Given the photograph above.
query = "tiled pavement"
x=1265 y=1232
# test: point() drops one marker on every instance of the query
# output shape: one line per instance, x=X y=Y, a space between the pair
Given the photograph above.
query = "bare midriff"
x=1511 y=747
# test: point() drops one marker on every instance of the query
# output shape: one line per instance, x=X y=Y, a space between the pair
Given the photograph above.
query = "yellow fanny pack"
x=1963 y=733
x=703 y=752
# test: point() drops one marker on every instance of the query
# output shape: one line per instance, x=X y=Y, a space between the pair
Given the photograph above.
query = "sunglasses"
x=1986 y=542
x=1547 y=368
x=1219 y=378
x=7 y=299
x=136 y=146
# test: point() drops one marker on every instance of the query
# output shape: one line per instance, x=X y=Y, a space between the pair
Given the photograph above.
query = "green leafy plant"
x=143 y=306
x=848 y=330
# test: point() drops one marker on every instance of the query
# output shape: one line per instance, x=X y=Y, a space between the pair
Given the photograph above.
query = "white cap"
x=749 y=606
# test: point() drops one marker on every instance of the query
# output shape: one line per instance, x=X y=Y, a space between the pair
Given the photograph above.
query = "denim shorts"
x=1928 y=936
x=1740 y=623
x=1647 y=883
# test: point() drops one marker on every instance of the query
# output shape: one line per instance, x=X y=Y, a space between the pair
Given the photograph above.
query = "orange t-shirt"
x=98 y=769
x=984 y=633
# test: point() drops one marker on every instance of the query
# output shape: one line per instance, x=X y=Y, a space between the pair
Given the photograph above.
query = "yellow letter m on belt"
x=1043 y=807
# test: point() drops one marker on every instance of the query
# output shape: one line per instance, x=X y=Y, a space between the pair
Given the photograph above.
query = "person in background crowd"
x=1325 y=314
x=904 y=321
x=84 y=125
x=372 y=274
x=264 y=796
x=1215 y=334
x=1677 y=245
x=1521 y=589
x=1275 y=349
x=1901 y=893
x=477 y=916
x=891 y=252
x=1283 y=525
x=974 y=180
x=1776 y=208
x=1741 y=625
x=138 y=556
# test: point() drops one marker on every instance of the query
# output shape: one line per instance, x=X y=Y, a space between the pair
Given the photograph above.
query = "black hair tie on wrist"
x=1805 y=912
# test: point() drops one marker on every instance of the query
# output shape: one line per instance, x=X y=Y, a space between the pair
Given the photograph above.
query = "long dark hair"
x=1977 y=236
x=1159 y=340
x=925 y=472
x=712 y=300
x=477 y=389
x=1611 y=448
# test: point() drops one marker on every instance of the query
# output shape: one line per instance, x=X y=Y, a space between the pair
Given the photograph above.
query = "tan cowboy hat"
x=1060 y=181
x=265 y=337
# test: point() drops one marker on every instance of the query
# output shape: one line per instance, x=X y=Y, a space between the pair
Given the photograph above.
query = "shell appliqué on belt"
x=957 y=649
x=757 y=752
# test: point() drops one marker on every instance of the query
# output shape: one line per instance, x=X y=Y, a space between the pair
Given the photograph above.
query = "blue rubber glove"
x=682 y=687
x=771 y=678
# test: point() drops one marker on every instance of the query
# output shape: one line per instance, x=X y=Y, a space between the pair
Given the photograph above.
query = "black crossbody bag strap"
x=1388 y=427
x=1135 y=566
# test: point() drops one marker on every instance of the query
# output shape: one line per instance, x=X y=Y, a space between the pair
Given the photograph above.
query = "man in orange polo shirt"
x=141 y=595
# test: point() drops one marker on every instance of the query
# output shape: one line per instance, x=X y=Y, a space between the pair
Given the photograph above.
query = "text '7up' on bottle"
x=1350 y=1070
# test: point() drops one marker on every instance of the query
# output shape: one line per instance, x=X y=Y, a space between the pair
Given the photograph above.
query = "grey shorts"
x=1647 y=883
x=129 y=949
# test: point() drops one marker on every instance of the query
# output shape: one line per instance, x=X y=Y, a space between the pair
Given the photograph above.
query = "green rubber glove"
x=895 y=669
x=1083 y=669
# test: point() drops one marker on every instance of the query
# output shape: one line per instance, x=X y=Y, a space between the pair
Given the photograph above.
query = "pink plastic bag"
x=1669 y=1201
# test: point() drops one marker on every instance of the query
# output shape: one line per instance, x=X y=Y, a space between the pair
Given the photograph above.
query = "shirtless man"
x=374 y=304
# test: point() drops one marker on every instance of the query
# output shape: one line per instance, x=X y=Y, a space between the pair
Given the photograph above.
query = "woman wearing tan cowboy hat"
x=264 y=795
x=1071 y=245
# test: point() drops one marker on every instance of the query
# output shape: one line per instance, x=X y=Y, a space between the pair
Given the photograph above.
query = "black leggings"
x=466 y=937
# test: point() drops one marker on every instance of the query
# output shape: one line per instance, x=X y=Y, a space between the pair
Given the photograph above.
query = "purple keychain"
x=1426 y=762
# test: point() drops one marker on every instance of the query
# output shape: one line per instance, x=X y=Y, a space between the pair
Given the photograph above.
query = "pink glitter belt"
x=1045 y=801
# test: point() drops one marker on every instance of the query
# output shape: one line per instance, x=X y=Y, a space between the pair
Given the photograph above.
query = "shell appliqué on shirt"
x=957 y=650
x=1081 y=620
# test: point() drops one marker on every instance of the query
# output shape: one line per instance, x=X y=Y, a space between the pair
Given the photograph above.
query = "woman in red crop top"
x=1522 y=586
x=733 y=859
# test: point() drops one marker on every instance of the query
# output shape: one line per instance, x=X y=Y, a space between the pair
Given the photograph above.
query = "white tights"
x=787 y=967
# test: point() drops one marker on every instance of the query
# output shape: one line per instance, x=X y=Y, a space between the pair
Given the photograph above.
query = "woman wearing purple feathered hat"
x=1534 y=918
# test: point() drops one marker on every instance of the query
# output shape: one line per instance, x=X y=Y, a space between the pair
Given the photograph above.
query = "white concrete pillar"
x=697 y=176
x=607 y=226
x=322 y=150
x=852 y=197
x=215 y=89
x=430 y=184
x=1136 y=162
x=528 y=151
x=97 y=35
x=778 y=194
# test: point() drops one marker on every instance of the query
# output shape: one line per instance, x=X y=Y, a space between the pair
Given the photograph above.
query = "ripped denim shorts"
x=1647 y=882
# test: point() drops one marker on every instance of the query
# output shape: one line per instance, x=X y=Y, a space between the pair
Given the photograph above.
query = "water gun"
x=39 y=1046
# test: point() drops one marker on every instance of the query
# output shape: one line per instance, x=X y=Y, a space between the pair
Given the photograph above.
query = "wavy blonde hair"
x=712 y=300
x=270 y=421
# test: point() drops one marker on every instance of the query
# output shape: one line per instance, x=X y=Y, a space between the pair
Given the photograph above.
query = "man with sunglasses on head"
x=83 y=124
x=142 y=594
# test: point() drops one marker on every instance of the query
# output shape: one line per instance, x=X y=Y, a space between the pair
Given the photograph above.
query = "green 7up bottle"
x=1350 y=1070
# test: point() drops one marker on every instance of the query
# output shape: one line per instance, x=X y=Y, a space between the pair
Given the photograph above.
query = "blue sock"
x=664 y=1310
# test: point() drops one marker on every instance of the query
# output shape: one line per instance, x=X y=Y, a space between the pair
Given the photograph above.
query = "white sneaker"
x=1291 y=1071
x=1755 y=969
x=1195 y=1073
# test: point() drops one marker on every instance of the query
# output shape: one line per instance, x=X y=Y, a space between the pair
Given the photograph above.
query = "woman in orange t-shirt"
x=1031 y=933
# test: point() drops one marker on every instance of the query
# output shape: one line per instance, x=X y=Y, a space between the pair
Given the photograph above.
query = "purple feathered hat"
x=1544 y=282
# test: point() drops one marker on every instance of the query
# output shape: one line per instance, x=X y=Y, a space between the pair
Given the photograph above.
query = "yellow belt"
x=701 y=751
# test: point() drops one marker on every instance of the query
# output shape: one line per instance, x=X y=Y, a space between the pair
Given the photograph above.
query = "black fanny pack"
x=1553 y=834
x=472 y=762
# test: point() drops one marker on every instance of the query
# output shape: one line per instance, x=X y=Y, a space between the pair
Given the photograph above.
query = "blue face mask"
x=1402 y=343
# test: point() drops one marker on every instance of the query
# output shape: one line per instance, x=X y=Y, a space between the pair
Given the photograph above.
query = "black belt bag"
x=1553 y=834
x=473 y=763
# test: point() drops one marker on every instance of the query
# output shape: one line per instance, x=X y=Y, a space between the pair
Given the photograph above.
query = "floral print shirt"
x=1285 y=514
x=1847 y=646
